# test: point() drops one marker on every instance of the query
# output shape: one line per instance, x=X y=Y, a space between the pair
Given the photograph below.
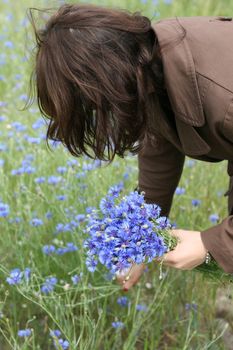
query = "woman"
x=111 y=82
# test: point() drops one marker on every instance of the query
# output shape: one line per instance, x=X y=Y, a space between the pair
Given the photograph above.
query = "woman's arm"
x=160 y=168
x=218 y=240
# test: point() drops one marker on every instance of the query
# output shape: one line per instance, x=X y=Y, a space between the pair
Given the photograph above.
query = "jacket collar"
x=179 y=71
x=185 y=137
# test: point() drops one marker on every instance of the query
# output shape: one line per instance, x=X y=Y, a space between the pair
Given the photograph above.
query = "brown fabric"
x=219 y=240
x=198 y=72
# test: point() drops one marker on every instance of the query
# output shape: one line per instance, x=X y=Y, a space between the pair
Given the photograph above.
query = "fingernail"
x=125 y=289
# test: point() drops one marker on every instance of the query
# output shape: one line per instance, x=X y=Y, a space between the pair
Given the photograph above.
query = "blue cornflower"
x=106 y=204
x=80 y=217
x=123 y=301
x=15 y=220
x=49 y=285
x=76 y=278
x=71 y=247
x=24 y=332
x=4 y=209
x=18 y=126
x=40 y=180
x=89 y=210
x=36 y=222
x=61 y=169
x=118 y=324
x=115 y=190
x=214 y=218
x=63 y=228
x=196 y=202
x=61 y=250
x=49 y=249
x=2 y=118
x=54 y=180
x=33 y=140
x=87 y=166
x=27 y=273
x=25 y=163
x=97 y=163
x=38 y=123
x=18 y=76
x=91 y=264
x=48 y=215
x=55 y=333
x=9 y=44
x=61 y=197
x=15 y=276
x=180 y=190
x=74 y=224
x=173 y=225
x=28 y=169
x=141 y=307
x=54 y=143
x=17 y=171
x=63 y=343
x=80 y=174
x=51 y=280
x=72 y=162
x=163 y=222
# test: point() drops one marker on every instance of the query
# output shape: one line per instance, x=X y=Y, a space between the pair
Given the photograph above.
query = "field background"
x=45 y=201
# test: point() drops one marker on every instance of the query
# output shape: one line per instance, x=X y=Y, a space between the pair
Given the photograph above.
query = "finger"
x=130 y=283
x=133 y=277
x=120 y=275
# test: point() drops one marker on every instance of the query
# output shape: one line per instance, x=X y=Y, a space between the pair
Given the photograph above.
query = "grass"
x=180 y=307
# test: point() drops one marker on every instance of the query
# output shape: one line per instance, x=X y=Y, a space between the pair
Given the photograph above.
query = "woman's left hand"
x=129 y=277
x=189 y=252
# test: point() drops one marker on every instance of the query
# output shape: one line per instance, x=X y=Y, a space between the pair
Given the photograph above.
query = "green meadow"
x=44 y=194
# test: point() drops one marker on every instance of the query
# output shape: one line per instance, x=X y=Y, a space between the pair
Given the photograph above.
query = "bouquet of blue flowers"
x=126 y=231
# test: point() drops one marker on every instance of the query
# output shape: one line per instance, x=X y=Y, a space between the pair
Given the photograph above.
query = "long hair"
x=93 y=77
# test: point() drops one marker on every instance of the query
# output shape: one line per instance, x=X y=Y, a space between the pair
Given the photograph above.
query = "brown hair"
x=93 y=74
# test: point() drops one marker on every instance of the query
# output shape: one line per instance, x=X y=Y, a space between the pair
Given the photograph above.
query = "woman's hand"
x=189 y=252
x=130 y=277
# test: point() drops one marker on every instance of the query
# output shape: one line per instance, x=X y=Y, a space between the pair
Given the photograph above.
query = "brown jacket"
x=198 y=74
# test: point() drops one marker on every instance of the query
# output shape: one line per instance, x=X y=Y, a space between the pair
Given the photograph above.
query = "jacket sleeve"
x=218 y=240
x=160 y=167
